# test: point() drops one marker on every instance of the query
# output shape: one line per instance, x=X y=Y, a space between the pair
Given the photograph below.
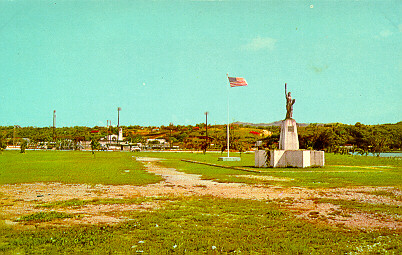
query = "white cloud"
x=385 y=33
x=260 y=44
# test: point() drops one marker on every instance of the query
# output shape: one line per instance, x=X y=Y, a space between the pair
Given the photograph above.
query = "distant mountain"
x=275 y=124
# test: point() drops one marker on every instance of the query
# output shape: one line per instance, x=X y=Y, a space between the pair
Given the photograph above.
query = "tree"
x=378 y=143
x=136 y=138
x=24 y=145
x=223 y=148
x=204 y=147
x=240 y=147
x=271 y=141
x=95 y=145
x=3 y=143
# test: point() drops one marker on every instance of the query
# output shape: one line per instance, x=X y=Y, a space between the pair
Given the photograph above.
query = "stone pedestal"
x=289 y=139
x=289 y=158
x=260 y=158
x=296 y=158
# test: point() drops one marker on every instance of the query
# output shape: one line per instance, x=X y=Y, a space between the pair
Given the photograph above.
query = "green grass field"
x=340 y=170
x=196 y=225
x=120 y=168
x=73 y=167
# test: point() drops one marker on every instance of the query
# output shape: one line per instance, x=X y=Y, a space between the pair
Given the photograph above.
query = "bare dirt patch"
x=23 y=199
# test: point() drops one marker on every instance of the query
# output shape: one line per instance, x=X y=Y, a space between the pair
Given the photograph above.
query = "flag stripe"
x=237 y=81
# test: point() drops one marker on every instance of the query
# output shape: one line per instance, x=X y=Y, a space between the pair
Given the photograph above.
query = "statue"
x=289 y=104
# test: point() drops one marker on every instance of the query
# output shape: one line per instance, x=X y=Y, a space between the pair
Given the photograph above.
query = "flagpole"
x=227 y=129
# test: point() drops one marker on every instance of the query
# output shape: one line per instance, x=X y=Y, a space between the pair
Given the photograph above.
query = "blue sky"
x=166 y=61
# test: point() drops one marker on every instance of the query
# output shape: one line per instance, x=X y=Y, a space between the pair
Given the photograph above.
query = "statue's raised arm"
x=286 y=93
x=289 y=103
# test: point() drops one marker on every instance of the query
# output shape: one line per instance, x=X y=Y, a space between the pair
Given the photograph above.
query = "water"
x=384 y=154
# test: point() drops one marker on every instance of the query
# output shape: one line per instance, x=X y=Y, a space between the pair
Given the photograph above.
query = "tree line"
x=342 y=138
x=337 y=137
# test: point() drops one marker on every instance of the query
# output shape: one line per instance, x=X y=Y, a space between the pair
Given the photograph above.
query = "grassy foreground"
x=202 y=225
x=73 y=167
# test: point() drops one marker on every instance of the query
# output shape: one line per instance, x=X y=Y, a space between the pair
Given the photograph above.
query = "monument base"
x=229 y=159
x=289 y=158
x=288 y=139
x=260 y=158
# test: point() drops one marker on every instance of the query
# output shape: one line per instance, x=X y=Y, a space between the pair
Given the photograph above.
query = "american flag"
x=237 y=82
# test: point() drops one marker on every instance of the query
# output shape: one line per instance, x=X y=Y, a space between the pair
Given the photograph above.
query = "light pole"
x=206 y=130
x=118 y=117
x=170 y=137
x=109 y=126
x=54 y=124
x=118 y=124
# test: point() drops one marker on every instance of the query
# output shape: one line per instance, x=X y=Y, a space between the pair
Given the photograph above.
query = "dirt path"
x=22 y=199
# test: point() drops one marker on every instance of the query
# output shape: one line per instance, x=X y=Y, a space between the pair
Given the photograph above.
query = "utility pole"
x=206 y=130
x=118 y=124
x=170 y=137
x=109 y=126
x=54 y=124
x=118 y=117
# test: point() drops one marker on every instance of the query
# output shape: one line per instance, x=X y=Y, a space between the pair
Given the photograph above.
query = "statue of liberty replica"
x=289 y=103
x=289 y=139
x=289 y=154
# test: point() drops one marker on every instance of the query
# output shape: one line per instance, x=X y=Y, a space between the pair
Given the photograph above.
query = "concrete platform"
x=289 y=158
x=229 y=159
